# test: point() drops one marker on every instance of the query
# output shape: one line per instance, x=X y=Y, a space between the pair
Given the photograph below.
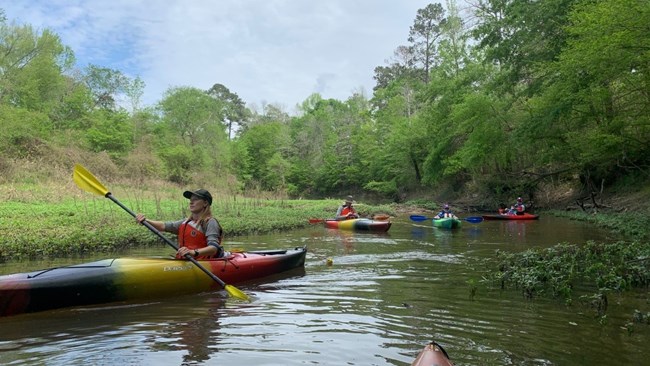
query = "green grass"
x=72 y=226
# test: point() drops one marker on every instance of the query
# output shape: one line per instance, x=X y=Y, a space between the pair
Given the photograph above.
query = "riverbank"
x=72 y=226
x=54 y=220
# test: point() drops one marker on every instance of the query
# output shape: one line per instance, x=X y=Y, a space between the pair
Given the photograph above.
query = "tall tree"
x=423 y=35
x=234 y=110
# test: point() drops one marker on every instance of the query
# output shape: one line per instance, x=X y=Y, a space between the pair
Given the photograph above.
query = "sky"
x=267 y=51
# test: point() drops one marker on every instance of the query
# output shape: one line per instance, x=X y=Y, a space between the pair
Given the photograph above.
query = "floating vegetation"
x=558 y=270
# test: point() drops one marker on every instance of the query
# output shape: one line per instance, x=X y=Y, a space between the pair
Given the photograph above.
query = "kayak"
x=123 y=279
x=358 y=224
x=525 y=216
x=446 y=223
x=432 y=355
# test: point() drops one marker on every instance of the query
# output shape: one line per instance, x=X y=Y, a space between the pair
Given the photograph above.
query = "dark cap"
x=199 y=193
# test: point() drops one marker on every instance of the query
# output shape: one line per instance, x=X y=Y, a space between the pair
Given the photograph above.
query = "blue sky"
x=266 y=51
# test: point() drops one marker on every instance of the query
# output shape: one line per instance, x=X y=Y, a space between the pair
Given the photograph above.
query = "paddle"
x=86 y=181
x=380 y=217
x=473 y=219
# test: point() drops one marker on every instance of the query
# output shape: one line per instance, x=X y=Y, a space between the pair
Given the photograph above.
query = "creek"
x=362 y=299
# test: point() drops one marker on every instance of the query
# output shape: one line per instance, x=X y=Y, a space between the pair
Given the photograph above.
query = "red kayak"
x=525 y=216
x=432 y=355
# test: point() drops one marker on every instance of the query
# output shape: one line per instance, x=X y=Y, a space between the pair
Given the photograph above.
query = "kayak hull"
x=359 y=225
x=124 y=279
x=432 y=355
x=446 y=223
x=525 y=216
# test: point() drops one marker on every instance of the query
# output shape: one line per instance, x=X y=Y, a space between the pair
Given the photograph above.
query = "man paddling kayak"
x=346 y=211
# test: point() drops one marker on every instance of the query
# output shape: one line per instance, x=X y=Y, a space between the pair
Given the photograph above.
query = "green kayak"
x=446 y=223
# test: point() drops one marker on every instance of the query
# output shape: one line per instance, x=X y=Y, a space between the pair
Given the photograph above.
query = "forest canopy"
x=526 y=94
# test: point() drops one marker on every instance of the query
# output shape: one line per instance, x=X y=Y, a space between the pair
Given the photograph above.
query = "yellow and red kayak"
x=123 y=279
x=432 y=355
x=358 y=225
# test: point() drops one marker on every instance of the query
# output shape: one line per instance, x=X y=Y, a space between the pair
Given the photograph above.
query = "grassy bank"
x=70 y=224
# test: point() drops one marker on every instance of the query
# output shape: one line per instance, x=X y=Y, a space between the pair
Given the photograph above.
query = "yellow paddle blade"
x=235 y=292
x=86 y=181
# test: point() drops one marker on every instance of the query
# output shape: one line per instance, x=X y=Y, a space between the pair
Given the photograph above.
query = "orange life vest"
x=192 y=238
x=347 y=210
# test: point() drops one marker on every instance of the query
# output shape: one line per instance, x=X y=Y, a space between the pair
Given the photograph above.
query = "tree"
x=424 y=33
x=189 y=112
x=192 y=126
x=263 y=163
x=31 y=67
x=234 y=110
x=106 y=85
x=134 y=91
x=518 y=35
x=597 y=100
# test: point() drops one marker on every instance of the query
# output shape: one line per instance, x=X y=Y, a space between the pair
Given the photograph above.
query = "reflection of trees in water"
x=515 y=229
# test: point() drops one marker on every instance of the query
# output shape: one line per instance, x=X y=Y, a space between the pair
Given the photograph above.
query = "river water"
x=379 y=300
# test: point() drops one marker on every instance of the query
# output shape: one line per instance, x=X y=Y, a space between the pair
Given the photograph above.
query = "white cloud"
x=273 y=51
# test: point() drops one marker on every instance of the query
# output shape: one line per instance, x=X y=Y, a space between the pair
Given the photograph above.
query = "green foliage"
x=260 y=155
x=21 y=131
x=558 y=270
x=629 y=224
x=31 y=65
x=106 y=85
x=111 y=132
x=178 y=162
x=387 y=189
x=549 y=91
x=188 y=112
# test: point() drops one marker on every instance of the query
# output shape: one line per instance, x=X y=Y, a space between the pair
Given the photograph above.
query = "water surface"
x=383 y=297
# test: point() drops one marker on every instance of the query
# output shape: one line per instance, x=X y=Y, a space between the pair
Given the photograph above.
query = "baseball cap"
x=199 y=193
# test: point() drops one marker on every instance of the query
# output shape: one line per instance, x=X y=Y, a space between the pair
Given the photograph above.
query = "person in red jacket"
x=199 y=235
x=346 y=211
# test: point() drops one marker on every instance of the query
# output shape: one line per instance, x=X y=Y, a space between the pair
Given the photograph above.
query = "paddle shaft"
x=166 y=240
